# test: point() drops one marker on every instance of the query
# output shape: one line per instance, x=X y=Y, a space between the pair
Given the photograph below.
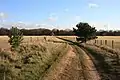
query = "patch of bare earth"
x=88 y=68
x=68 y=68
x=71 y=67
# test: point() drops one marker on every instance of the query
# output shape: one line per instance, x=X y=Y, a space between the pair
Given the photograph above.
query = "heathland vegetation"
x=31 y=60
x=43 y=54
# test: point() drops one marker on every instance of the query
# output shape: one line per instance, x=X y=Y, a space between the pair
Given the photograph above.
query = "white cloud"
x=48 y=26
x=43 y=24
x=3 y=15
x=37 y=25
x=105 y=25
x=20 y=22
x=93 y=5
x=53 y=17
x=19 y=25
x=77 y=18
x=99 y=25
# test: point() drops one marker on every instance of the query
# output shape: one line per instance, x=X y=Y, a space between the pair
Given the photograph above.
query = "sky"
x=61 y=14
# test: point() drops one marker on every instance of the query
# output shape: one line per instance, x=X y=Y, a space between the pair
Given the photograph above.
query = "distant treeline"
x=40 y=32
x=108 y=33
x=56 y=32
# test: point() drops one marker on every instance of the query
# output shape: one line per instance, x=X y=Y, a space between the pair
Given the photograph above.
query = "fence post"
x=45 y=38
x=30 y=39
x=100 y=42
x=95 y=41
x=105 y=42
x=112 y=43
x=37 y=39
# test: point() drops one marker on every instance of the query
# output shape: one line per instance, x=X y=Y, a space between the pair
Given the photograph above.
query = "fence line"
x=35 y=39
x=109 y=43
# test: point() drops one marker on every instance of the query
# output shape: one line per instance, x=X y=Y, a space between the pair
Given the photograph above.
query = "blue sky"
x=103 y=14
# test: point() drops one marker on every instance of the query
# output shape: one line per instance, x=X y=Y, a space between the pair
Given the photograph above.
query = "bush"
x=16 y=37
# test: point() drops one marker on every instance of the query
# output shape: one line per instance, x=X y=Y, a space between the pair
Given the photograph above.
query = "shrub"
x=16 y=37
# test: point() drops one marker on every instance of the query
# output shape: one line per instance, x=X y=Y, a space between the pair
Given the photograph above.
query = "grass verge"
x=30 y=61
x=104 y=67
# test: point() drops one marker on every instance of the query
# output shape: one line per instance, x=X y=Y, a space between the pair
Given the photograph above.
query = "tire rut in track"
x=68 y=68
x=88 y=68
x=106 y=64
x=75 y=65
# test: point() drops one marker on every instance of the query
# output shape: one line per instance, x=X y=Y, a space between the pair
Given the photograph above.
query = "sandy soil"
x=67 y=69
x=89 y=70
x=4 y=42
x=71 y=67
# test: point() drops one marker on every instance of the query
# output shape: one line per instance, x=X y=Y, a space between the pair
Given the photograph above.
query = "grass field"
x=31 y=60
x=39 y=39
x=36 y=54
x=4 y=42
x=115 y=39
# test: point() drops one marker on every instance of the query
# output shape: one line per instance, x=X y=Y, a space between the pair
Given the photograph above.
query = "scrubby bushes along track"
x=87 y=68
x=114 y=52
x=30 y=61
x=108 y=69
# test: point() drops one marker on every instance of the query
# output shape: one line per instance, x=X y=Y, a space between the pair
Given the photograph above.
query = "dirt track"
x=67 y=69
x=88 y=68
x=75 y=65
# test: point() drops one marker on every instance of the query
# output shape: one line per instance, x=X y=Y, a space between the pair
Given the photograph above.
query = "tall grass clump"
x=30 y=61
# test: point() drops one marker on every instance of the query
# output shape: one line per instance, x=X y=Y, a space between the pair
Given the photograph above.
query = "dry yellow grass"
x=40 y=39
x=109 y=39
x=27 y=39
x=4 y=42
x=32 y=59
x=116 y=39
x=32 y=39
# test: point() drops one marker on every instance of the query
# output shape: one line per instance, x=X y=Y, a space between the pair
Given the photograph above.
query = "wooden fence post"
x=112 y=43
x=45 y=38
x=95 y=41
x=100 y=42
x=105 y=42
x=37 y=39
x=30 y=39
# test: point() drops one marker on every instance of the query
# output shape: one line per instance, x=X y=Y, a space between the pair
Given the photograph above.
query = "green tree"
x=16 y=37
x=84 y=32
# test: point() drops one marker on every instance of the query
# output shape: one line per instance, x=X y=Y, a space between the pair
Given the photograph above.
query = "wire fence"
x=110 y=43
x=111 y=54
x=34 y=39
